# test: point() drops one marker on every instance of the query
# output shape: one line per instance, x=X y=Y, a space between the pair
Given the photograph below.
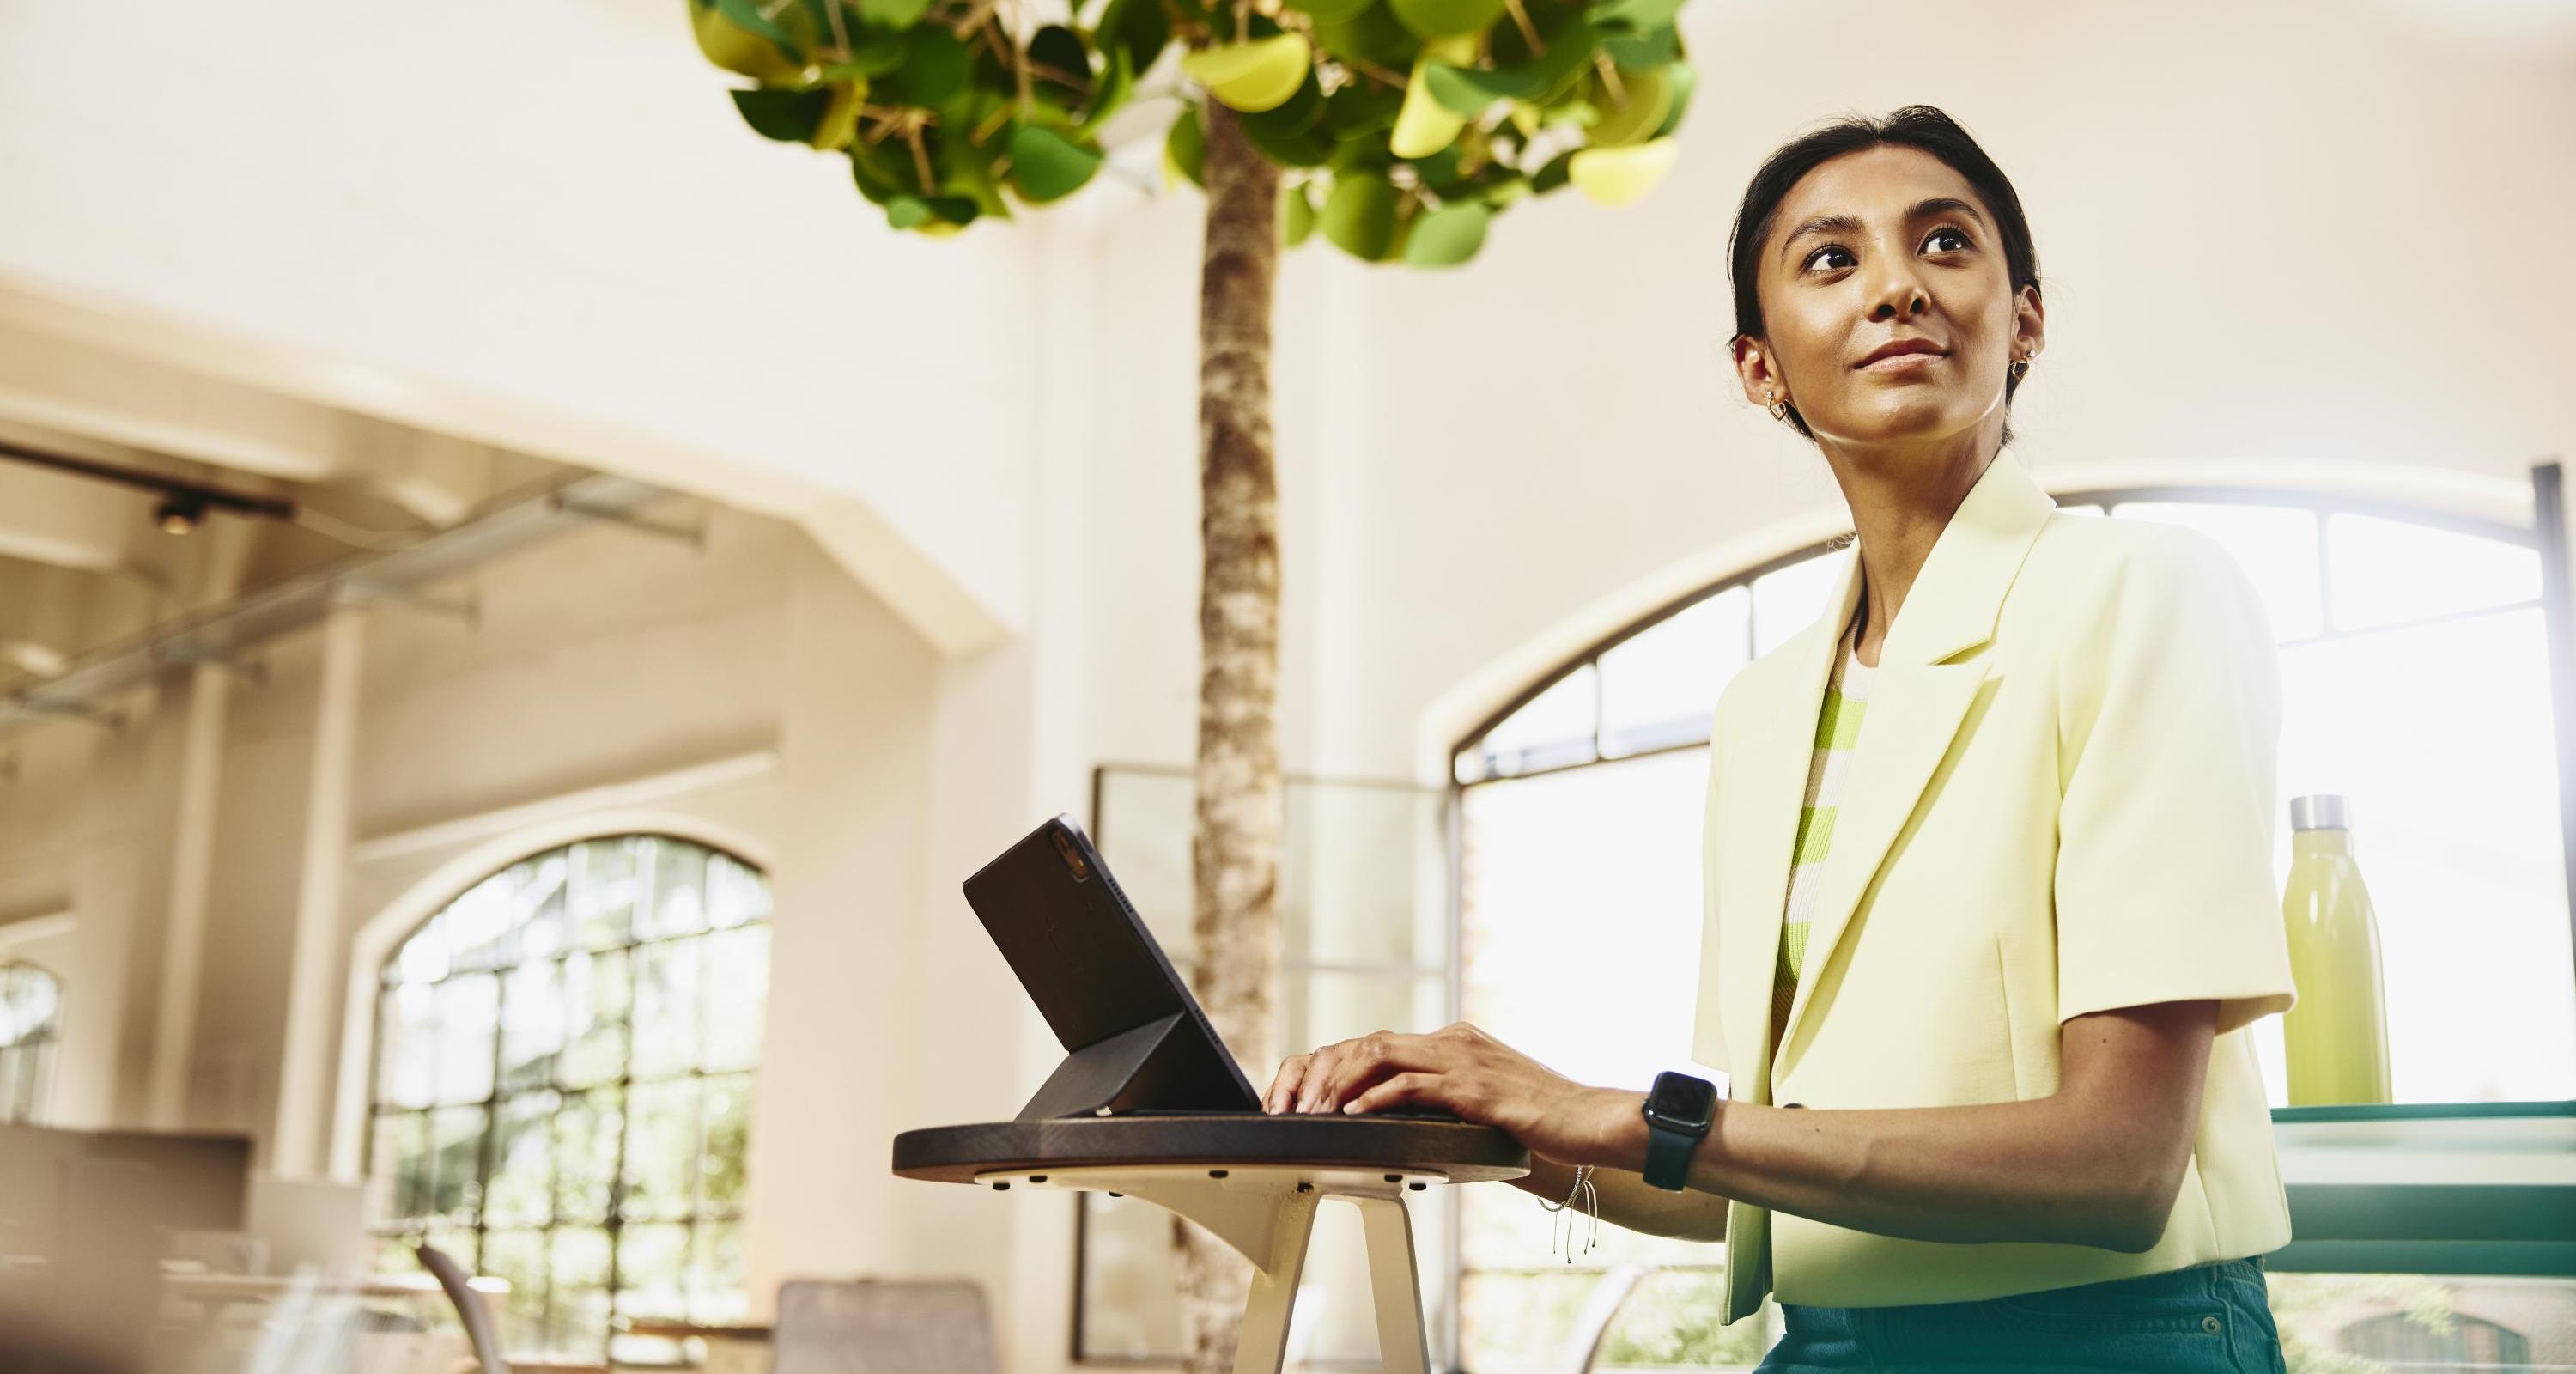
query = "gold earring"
x=1779 y=408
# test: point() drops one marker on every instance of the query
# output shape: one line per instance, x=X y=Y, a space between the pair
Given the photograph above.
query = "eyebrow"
x=1850 y=224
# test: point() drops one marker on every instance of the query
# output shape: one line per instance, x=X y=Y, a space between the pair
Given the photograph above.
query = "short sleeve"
x=2169 y=715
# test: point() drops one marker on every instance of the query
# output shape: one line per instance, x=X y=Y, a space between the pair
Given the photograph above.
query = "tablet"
x=1135 y=1039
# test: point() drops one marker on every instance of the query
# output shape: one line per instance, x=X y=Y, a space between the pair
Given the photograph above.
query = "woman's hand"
x=1463 y=1070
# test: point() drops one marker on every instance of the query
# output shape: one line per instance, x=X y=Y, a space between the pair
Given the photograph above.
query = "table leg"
x=1262 y=1348
x=1396 y=1283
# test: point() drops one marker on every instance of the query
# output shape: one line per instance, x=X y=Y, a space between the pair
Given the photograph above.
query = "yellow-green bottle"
x=2336 y=1038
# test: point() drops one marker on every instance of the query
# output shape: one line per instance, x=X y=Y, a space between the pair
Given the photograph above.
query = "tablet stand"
x=1158 y=1064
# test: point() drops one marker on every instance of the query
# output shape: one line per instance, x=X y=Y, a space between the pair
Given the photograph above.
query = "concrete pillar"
x=192 y=859
x=314 y=974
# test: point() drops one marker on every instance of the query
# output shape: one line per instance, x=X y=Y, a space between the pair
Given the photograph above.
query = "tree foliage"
x=1402 y=127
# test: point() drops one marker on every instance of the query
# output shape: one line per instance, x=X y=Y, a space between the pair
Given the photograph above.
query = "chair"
x=470 y=1310
x=871 y=1326
x=1592 y=1324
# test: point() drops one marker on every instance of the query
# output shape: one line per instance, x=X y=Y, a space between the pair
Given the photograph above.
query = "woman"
x=1988 y=848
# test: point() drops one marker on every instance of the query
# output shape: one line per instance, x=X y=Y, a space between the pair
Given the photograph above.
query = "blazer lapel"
x=1767 y=771
x=1916 y=705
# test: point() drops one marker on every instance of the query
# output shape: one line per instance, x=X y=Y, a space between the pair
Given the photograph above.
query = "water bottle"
x=2336 y=1038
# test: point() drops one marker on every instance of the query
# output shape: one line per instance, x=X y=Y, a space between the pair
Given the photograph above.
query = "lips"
x=1900 y=348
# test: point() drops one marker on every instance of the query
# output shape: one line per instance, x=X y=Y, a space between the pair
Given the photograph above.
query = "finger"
x=1319 y=1067
x=1376 y=1057
x=1283 y=1086
x=1402 y=1090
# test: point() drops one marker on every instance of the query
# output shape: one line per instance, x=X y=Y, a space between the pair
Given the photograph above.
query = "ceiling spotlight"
x=180 y=514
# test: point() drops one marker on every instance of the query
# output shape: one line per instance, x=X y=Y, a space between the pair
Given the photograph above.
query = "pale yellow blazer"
x=2061 y=802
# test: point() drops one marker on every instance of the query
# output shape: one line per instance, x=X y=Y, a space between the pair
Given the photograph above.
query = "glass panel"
x=1358 y=875
x=1324 y=1007
x=522 y=1190
x=1552 y=730
x=1145 y=821
x=652 y=1271
x=736 y=895
x=2276 y=547
x=1518 y=1322
x=679 y=890
x=715 y=1274
x=2386 y=571
x=1787 y=600
x=737 y=995
x=1636 y=826
x=398 y=1169
x=1129 y=1307
x=469 y=1012
x=2455 y=830
x=456 y=1155
x=481 y=925
x=661 y=1149
x=407 y=1046
x=520 y=1257
x=725 y=1154
x=532 y=1025
x=595 y=1001
x=604 y=888
x=666 y=1009
x=2414 y=1321
x=1660 y=686
x=586 y=1135
x=577 y=1318
x=423 y=957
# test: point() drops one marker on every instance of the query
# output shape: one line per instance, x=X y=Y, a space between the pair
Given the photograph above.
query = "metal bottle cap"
x=2323 y=811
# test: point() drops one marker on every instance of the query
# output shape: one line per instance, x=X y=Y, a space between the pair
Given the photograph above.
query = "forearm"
x=1629 y=1203
x=2013 y=1171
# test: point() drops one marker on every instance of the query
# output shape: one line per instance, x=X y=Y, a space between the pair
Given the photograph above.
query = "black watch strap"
x=1668 y=1155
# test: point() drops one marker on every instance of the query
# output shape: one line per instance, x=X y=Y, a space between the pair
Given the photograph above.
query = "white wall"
x=539 y=225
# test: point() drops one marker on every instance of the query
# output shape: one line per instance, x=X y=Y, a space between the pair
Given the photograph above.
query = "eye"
x=1810 y=263
x=1953 y=231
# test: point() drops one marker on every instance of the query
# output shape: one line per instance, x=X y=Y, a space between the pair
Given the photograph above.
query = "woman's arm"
x=1627 y=1201
x=2096 y=1163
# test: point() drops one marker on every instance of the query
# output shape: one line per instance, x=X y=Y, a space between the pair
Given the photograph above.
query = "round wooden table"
x=1254 y=1182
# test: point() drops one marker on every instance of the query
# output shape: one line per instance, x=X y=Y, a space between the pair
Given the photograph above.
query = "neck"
x=1900 y=502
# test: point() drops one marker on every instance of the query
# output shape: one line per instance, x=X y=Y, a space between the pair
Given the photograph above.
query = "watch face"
x=1682 y=1099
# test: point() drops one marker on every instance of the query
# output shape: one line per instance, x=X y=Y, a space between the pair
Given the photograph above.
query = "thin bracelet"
x=1591 y=1197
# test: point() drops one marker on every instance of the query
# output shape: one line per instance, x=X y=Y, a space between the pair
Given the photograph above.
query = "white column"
x=192 y=857
x=304 y=1078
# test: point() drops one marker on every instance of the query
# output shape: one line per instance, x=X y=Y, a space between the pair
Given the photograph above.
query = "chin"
x=1925 y=415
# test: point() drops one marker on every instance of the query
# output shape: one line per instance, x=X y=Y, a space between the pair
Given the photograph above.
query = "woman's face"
x=1877 y=247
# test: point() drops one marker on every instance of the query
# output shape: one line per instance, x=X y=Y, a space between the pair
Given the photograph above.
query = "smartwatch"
x=1678 y=1114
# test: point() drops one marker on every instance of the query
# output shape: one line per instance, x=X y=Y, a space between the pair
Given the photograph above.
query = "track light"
x=181 y=514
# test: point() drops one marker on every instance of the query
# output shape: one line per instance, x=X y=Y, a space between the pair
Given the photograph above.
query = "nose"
x=1897 y=292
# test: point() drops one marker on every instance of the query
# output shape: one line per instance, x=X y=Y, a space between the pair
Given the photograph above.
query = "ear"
x=2030 y=323
x=1753 y=368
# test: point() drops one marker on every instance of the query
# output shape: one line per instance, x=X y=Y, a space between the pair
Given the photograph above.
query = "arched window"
x=2416 y=681
x=31 y=1021
x=562 y=1085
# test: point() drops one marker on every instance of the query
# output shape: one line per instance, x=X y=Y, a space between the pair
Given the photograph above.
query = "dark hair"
x=1915 y=126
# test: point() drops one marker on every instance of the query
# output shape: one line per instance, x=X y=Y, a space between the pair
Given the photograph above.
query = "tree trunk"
x=1234 y=850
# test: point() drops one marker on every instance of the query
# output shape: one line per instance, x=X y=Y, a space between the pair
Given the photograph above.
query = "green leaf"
x=740 y=52
x=1359 y=216
x=1361 y=108
x=874 y=171
x=1061 y=48
x=1137 y=26
x=1330 y=11
x=1296 y=216
x=1636 y=16
x=1293 y=133
x=1554 y=174
x=1185 y=147
x=1438 y=172
x=1684 y=78
x=1447 y=236
x=1469 y=90
x=1440 y=18
x=1045 y=165
x=1117 y=86
x=908 y=212
x=1374 y=36
x=1638 y=53
x=873 y=52
x=894 y=14
x=745 y=15
x=935 y=70
x=788 y=116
